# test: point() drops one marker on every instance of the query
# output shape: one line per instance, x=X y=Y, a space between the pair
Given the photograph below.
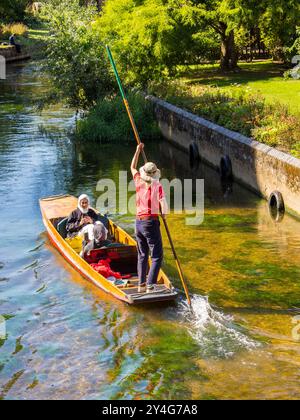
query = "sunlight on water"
x=216 y=333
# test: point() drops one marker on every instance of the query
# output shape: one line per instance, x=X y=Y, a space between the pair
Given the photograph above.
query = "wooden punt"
x=56 y=208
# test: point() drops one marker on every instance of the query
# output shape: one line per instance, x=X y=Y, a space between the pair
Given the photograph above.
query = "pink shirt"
x=148 y=197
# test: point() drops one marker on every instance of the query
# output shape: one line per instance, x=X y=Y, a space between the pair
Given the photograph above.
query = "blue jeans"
x=149 y=240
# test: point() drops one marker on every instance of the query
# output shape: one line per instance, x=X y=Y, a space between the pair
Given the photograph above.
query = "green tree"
x=230 y=19
x=97 y=3
x=12 y=10
x=278 y=23
x=296 y=46
x=76 y=57
x=150 y=38
x=160 y=34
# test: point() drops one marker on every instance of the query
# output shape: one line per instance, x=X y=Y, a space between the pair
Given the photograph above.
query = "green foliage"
x=229 y=20
x=153 y=37
x=239 y=110
x=150 y=38
x=77 y=59
x=278 y=24
x=108 y=121
x=218 y=13
x=16 y=28
x=292 y=52
x=296 y=45
x=12 y=10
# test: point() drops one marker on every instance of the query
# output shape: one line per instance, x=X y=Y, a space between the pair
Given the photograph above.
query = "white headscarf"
x=83 y=197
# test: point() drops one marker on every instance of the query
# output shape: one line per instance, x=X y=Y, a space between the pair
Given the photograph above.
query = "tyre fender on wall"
x=226 y=167
x=194 y=155
x=276 y=201
x=276 y=205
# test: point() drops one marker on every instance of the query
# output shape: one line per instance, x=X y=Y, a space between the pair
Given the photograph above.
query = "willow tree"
x=150 y=38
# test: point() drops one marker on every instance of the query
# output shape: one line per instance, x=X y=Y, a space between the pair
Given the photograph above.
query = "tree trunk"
x=99 y=4
x=279 y=55
x=229 y=54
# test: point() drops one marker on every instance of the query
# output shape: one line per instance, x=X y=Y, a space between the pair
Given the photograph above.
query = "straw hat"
x=149 y=172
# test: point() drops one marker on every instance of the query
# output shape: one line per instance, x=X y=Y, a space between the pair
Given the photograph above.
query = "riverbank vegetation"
x=108 y=121
x=19 y=29
x=239 y=109
x=76 y=57
x=23 y=18
x=13 y=10
x=33 y=39
x=264 y=77
x=257 y=102
x=160 y=46
x=153 y=37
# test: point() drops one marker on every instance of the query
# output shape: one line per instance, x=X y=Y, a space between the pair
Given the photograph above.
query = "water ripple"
x=216 y=333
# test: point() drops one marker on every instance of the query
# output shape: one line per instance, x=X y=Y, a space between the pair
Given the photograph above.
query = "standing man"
x=150 y=197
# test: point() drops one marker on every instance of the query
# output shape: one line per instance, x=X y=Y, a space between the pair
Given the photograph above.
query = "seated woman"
x=82 y=220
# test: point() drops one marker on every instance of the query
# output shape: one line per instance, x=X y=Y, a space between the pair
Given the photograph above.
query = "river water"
x=65 y=339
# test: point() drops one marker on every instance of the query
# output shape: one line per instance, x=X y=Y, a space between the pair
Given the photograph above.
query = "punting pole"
x=137 y=137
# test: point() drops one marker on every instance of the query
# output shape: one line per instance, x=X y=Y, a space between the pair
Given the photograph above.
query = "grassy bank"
x=262 y=77
x=257 y=102
x=33 y=38
x=36 y=41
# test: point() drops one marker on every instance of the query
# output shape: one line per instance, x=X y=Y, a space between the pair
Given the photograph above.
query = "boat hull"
x=81 y=266
x=165 y=290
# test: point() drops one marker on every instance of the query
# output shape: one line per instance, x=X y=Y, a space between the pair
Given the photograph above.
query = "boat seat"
x=62 y=227
x=115 y=251
x=123 y=258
